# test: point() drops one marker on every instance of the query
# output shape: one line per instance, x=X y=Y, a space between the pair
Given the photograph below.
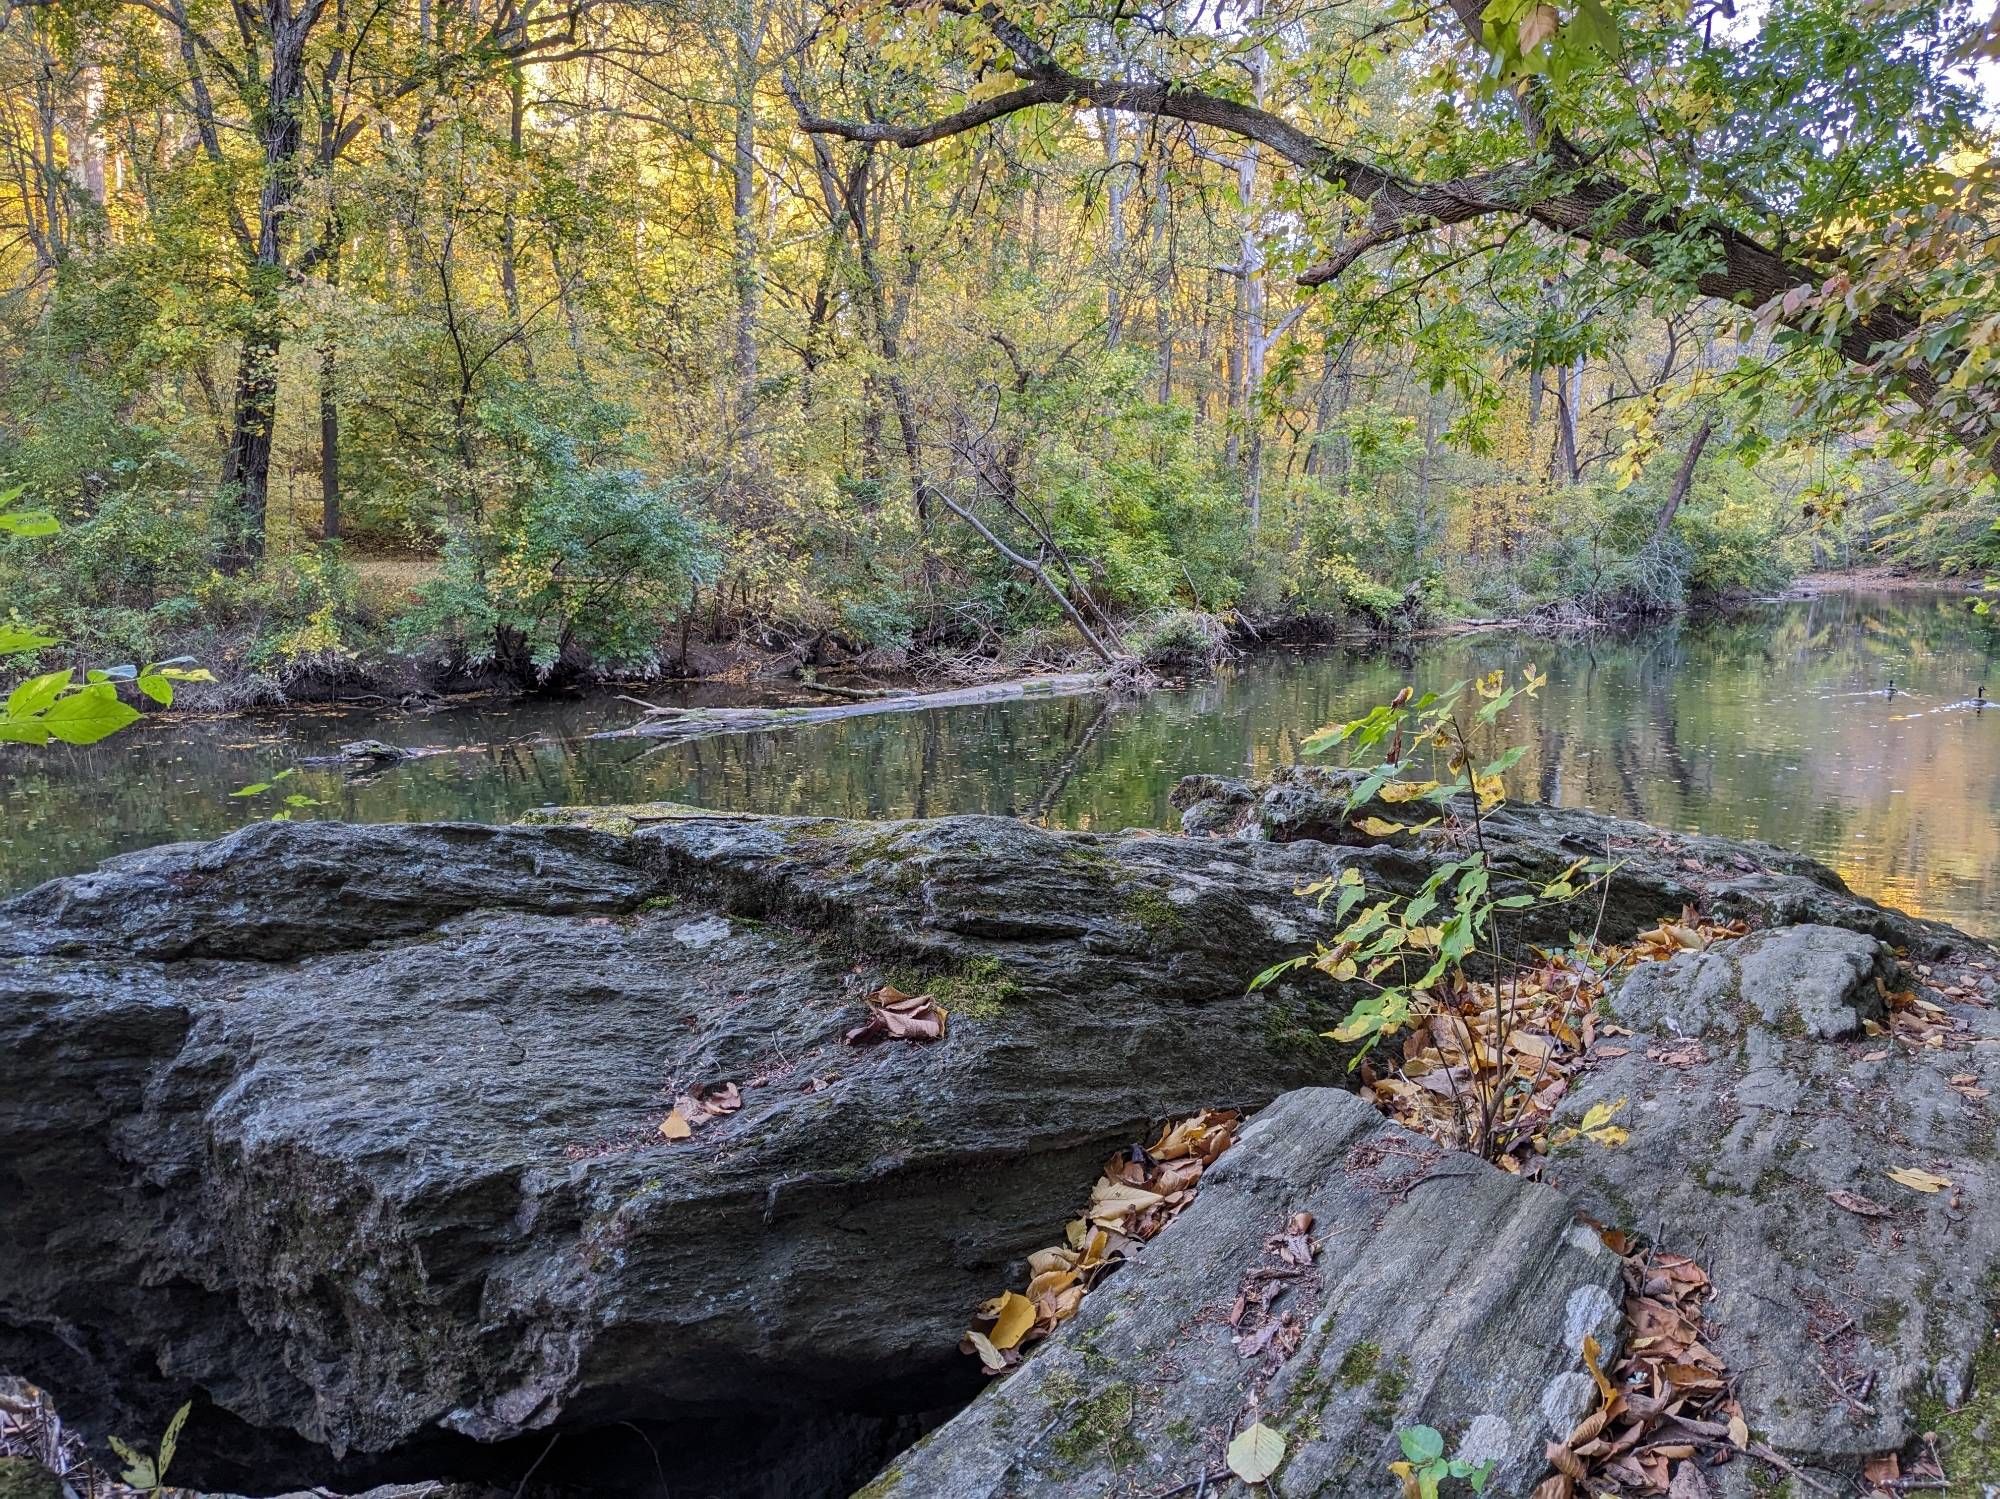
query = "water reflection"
x=1777 y=724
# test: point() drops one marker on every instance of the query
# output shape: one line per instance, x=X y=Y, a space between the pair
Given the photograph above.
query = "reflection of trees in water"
x=1748 y=725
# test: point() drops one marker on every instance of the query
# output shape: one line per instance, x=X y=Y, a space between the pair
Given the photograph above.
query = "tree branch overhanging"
x=1559 y=190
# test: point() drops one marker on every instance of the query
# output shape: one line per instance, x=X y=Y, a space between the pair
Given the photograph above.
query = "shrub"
x=582 y=563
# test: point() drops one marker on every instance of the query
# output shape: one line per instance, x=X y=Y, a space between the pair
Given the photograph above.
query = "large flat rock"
x=1443 y=1293
x=1766 y=1119
x=351 y=1132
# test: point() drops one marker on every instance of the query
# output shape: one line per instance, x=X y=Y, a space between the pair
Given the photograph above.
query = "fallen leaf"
x=675 y=1125
x=1012 y=1318
x=1688 y=1482
x=1256 y=1453
x=1919 y=1181
x=993 y=1359
x=896 y=1016
x=1882 y=1471
x=1854 y=1202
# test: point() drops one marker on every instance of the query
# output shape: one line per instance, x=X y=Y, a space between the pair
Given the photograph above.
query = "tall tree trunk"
x=1117 y=189
x=246 y=466
x=1163 y=285
x=1684 y=479
x=510 y=284
x=1569 y=391
x=329 y=447
x=746 y=39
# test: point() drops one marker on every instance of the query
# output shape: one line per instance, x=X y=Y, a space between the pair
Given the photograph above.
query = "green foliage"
x=575 y=561
x=1425 y=1464
x=1180 y=637
x=56 y=704
x=150 y=1473
x=1404 y=951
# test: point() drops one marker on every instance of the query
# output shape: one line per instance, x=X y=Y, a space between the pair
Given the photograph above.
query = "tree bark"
x=1684 y=479
x=747 y=41
x=329 y=447
x=246 y=466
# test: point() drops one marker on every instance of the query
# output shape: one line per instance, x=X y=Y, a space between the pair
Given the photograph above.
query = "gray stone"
x=353 y=1129
x=1445 y=1293
x=1847 y=1332
x=1658 y=871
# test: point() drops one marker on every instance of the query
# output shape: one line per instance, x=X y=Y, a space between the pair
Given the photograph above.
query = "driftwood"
x=858 y=694
x=699 y=723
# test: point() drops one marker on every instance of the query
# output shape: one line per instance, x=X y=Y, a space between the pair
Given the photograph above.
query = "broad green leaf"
x=86 y=716
x=13 y=641
x=29 y=522
x=1421 y=1444
x=35 y=694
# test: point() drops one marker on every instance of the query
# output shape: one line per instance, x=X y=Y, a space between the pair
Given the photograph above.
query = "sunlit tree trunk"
x=747 y=44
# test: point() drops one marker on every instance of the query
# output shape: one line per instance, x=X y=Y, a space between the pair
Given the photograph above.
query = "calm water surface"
x=1773 y=724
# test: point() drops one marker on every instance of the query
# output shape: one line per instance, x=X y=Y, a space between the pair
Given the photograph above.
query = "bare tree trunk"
x=1684 y=479
x=329 y=447
x=1163 y=285
x=1569 y=389
x=510 y=285
x=1117 y=189
x=246 y=466
x=747 y=40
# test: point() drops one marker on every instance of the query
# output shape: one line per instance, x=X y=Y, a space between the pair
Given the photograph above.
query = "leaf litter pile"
x=1137 y=1194
x=1458 y=1075
x=1665 y=1400
x=1664 y=1403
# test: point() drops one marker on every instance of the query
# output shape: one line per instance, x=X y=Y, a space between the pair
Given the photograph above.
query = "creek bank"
x=351 y=1133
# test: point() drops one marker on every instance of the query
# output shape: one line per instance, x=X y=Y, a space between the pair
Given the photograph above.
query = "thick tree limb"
x=1556 y=190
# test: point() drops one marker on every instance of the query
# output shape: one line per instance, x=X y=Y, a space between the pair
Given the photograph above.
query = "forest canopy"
x=533 y=337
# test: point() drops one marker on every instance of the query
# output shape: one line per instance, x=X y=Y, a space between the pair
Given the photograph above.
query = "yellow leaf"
x=1600 y=1114
x=1376 y=827
x=1049 y=1282
x=675 y=1126
x=1406 y=791
x=1016 y=1316
x=1593 y=1359
x=1919 y=1181
x=1255 y=1454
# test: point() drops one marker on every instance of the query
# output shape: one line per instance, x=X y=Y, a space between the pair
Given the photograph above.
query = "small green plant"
x=294 y=802
x=1425 y=1467
x=1407 y=951
x=54 y=704
x=150 y=1473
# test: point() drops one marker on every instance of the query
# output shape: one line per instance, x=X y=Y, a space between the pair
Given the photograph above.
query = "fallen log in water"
x=697 y=723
